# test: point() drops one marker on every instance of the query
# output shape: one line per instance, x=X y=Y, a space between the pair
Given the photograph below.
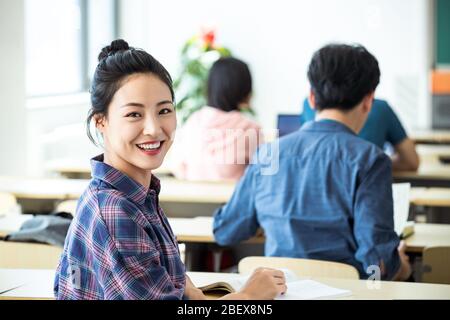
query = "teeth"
x=150 y=146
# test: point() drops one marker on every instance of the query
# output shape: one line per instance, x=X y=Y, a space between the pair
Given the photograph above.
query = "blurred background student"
x=384 y=129
x=217 y=142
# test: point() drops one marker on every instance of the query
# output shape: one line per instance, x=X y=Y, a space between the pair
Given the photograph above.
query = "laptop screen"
x=288 y=123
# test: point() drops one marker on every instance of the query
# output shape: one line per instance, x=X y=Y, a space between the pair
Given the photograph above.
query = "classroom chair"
x=69 y=206
x=8 y=203
x=301 y=267
x=19 y=255
x=436 y=265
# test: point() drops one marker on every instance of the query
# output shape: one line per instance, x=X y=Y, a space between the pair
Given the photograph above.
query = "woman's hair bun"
x=116 y=45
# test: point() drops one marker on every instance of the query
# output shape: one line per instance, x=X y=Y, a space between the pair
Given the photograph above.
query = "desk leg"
x=438 y=215
x=188 y=259
x=217 y=259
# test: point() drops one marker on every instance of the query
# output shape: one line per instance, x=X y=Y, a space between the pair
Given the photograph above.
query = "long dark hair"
x=229 y=83
x=116 y=62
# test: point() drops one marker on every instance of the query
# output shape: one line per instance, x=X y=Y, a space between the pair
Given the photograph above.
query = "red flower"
x=208 y=38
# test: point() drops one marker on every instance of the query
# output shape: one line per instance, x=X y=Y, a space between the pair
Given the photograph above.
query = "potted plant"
x=197 y=56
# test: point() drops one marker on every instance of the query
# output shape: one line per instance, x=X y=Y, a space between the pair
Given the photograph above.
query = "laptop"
x=288 y=123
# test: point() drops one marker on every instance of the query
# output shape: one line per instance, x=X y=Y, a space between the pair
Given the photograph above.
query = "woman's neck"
x=139 y=175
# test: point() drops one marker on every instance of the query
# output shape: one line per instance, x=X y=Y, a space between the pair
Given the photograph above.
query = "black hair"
x=229 y=83
x=342 y=75
x=116 y=62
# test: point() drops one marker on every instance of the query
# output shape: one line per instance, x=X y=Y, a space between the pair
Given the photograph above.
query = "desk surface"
x=431 y=197
x=38 y=284
x=200 y=230
x=431 y=168
x=38 y=188
x=172 y=190
x=428 y=235
x=431 y=136
x=360 y=288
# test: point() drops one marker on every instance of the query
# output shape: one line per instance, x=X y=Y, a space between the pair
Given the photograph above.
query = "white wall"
x=57 y=131
x=13 y=119
x=278 y=37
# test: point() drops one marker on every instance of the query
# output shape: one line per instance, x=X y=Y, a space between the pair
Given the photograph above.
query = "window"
x=62 y=40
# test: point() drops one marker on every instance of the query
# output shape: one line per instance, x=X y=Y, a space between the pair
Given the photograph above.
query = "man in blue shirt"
x=331 y=197
x=382 y=126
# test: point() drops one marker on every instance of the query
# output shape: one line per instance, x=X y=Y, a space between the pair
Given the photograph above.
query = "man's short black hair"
x=342 y=75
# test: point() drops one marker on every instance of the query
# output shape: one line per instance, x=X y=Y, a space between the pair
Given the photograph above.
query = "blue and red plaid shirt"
x=120 y=244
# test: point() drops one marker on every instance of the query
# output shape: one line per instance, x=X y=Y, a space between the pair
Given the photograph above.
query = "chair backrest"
x=436 y=265
x=18 y=255
x=301 y=267
x=8 y=203
x=69 y=206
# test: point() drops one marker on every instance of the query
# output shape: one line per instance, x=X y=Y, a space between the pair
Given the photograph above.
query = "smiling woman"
x=120 y=244
x=137 y=133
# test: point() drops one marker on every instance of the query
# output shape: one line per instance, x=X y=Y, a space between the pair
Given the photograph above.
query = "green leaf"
x=190 y=84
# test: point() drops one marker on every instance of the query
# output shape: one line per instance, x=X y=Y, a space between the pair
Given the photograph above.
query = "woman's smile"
x=151 y=148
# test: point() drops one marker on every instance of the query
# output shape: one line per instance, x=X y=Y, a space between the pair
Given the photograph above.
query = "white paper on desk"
x=304 y=289
x=8 y=281
x=27 y=283
x=400 y=196
x=310 y=289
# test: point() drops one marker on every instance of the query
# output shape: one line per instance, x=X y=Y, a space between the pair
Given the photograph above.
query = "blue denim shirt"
x=330 y=199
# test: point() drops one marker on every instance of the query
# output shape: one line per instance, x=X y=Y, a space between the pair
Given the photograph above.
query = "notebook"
x=400 y=196
x=298 y=289
x=288 y=123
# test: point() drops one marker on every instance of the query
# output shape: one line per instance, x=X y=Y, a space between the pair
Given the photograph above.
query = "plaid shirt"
x=120 y=244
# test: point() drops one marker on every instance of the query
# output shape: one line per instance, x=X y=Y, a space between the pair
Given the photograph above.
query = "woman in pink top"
x=217 y=142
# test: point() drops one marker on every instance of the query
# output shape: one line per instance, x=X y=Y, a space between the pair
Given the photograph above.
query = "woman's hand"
x=192 y=292
x=263 y=284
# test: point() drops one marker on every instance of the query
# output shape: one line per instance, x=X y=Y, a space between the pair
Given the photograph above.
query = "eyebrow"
x=137 y=104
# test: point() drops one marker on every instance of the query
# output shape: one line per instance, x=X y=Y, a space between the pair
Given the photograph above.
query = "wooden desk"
x=432 y=172
x=199 y=230
x=430 y=197
x=46 y=189
x=360 y=289
x=431 y=136
x=172 y=190
x=427 y=235
x=38 y=285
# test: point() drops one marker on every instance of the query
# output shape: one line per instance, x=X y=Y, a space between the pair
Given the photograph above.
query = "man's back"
x=331 y=198
x=326 y=176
